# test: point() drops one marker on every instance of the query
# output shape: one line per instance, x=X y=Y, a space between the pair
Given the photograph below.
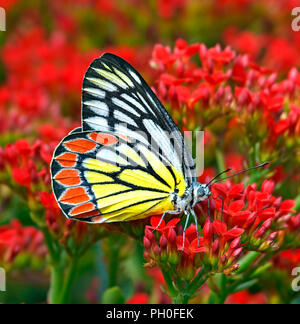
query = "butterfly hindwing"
x=116 y=99
x=100 y=177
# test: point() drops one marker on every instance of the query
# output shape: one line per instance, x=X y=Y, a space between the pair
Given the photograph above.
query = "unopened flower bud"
x=147 y=243
x=272 y=237
x=149 y=234
x=172 y=236
x=235 y=243
x=157 y=250
x=215 y=247
x=208 y=232
x=163 y=242
x=236 y=254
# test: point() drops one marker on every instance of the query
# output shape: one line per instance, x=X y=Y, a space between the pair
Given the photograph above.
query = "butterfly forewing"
x=117 y=99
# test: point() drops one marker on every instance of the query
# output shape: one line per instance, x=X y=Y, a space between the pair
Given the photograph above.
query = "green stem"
x=56 y=283
x=68 y=281
x=172 y=291
x=113 y=264
x=181 y=299
x=57 y=271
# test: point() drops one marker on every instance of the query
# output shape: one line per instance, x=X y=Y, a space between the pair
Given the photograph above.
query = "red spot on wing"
x=90 y=214
x=80 y=145
x=74 y=196
x=67 y=159
x=82 y=209
x=68 y=177
x=104 y=139
x=99 y=219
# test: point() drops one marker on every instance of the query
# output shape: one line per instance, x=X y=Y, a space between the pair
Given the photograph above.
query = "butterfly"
x=129 y=160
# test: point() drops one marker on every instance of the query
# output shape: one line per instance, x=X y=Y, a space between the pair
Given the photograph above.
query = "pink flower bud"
x=235 y=244
x=149 y=235
x=273 y=236
x=208 y=231
x=157 y=250
x=147 y=243
x=236 y=254
x=267 y=224
x=215 y=247
x=172 y=236
x=163 y=242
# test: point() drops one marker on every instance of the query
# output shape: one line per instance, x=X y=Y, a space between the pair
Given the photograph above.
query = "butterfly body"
x=128 y=160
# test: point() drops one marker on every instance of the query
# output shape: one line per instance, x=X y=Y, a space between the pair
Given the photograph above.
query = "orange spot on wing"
x=85 y=208
x=68 y=177
x=75 y=196
x=80 y=145
x=104 y=139
x=67 y=159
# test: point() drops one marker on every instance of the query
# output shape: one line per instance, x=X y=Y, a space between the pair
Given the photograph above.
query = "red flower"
x=244 y=297
x=190 y=248
x=138 y=298
x=163 y=228
x=220 y=228
x=22 y=177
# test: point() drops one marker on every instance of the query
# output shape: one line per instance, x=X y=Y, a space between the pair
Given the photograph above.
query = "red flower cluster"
x=28 y=164
x=15 y=239
x=244 y=220
x=218 y=248
x=259 y=213
x=183 y=83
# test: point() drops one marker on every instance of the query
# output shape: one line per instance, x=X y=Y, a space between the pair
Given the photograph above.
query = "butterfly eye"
x=201 y=192
x=176 y=190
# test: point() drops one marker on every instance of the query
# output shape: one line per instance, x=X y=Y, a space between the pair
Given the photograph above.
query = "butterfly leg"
x=185 y=227
x=171 y=212
x=223 y=204
x=208 y=209
x=196 y=223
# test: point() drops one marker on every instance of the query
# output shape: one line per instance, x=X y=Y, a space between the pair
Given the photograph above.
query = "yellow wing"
x=100 y=177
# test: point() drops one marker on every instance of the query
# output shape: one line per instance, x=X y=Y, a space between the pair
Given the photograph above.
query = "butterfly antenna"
x=217 y=176
x=240 y=172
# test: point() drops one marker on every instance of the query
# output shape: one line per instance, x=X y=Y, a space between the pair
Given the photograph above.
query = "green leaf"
x=245 y=285
x=246 y=261
x=261 y=270
x=297 y=203
x=113 y=295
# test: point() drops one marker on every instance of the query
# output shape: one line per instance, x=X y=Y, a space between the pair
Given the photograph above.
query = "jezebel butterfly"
x=129 y=160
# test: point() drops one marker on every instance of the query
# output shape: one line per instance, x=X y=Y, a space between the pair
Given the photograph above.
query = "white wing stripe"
x=124 y=118
x=134 y=102
x=124 y=105
x=95 y=91
x=136 y=77
x=97 y=121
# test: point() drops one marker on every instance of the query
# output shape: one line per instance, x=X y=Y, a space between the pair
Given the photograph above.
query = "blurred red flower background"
x=230 y=68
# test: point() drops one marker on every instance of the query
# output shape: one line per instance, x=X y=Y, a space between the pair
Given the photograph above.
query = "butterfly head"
x=201 y=192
